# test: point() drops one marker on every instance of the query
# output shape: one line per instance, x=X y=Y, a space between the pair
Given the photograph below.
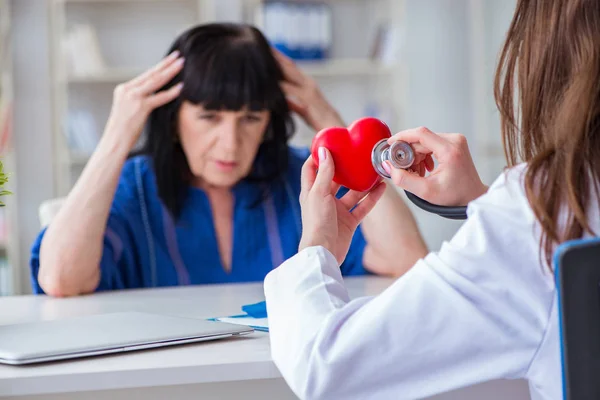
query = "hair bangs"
x=231 y=78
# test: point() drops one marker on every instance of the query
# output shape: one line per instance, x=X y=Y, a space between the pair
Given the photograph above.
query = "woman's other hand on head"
x=326 y=220
x=133 y=101
x=453 y=182
x=305 y=97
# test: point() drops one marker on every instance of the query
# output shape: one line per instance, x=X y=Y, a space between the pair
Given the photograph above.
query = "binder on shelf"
x=301 y=31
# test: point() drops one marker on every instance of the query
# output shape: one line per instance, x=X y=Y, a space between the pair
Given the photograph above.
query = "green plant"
x=3 y=180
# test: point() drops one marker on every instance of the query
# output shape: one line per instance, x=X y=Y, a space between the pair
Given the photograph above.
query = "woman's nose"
x=228 y=137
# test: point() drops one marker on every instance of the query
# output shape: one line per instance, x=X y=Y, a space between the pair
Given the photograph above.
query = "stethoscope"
x=401 y=155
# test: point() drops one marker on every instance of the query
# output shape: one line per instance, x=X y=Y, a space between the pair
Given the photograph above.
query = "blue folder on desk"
x=577 y=274
x=255 y=317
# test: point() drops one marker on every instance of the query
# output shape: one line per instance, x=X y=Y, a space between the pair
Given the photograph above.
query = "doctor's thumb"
x=410 y=182
x=325 y=172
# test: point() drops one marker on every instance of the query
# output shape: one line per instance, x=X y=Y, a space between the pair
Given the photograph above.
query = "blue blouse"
x=144 y=246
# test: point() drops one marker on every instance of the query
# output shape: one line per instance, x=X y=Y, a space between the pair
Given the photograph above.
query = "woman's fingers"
x=164 y=63
x=351 y=199
x=290 y=70
x=160 y=78
x=294 y=96
x=164 y=96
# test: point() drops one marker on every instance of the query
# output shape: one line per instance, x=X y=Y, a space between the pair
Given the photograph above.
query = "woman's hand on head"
x=326 y=220
x=133 y=101
x=453 y=182
x=305 y=97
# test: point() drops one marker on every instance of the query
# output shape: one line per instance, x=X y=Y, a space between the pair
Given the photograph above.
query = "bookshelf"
x=317 y=69
x=354 y=82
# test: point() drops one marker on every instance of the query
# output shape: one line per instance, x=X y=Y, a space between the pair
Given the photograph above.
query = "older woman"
x=213 y=195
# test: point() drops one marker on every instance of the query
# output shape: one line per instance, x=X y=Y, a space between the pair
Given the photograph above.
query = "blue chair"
x=577 y=274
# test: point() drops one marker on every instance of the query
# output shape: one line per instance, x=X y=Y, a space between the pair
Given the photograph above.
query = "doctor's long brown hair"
x=547 y=89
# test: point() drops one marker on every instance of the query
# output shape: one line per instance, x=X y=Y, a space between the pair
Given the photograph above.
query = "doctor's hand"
x=304 y=96
x=453 y=182
x=326 y=220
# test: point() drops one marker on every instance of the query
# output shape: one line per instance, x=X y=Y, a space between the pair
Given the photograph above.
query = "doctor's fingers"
x=367 y=203
x=418 y=168
x=429 y=163
x=423 y=141
x=352 y=198
x=325 y=173
x=335 y=187
x=420 y=158
x=418 y=185
x=307 y=177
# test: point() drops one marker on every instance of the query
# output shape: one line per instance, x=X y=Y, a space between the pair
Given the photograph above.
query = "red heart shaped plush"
x=351 y=150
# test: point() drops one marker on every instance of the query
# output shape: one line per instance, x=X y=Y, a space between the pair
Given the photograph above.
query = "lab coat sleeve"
x=475 y=311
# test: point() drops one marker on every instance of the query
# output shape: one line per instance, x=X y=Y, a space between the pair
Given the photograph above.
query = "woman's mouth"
x=226 y=166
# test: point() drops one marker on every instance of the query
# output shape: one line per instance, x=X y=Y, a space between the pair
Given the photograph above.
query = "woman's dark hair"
x=548 y=91
x=227 y=67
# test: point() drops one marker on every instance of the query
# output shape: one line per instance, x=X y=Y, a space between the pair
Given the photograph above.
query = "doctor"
x=484 y=306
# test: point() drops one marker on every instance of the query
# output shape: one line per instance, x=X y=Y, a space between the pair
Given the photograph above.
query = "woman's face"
x=220 y=146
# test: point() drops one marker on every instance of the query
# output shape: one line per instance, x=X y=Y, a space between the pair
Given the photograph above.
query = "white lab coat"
x=481 y=308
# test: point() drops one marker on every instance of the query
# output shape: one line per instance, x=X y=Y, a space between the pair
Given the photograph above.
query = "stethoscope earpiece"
x=401 y=155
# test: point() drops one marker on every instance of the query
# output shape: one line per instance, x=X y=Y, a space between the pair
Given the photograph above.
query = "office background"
x=433 y=65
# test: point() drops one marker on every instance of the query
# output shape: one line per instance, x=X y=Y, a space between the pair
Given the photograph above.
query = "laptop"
x=100 y=334
x=577 y=270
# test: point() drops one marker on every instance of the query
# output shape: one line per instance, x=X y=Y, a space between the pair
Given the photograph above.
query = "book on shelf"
x=82 y=135
x=387 y=44
x=82 y=51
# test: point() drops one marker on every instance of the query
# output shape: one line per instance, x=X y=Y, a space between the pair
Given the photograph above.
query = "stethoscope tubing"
x=449 y=212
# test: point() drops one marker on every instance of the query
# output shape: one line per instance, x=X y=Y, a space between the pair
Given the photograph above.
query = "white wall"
x=497 y=16
x=439 y=97
x=451 y=50
x=32 y=120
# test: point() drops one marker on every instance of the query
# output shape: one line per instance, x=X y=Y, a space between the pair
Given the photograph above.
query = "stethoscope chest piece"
x=399 y=154
x=402 y=156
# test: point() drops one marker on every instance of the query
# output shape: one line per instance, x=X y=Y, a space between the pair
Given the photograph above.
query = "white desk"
x=223 y=369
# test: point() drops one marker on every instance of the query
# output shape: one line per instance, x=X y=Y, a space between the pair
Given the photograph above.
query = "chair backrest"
x=48 y=210
x=577 y=270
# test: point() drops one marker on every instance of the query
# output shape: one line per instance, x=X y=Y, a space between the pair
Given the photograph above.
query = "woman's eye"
x=207 y=117
x=251 y=118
